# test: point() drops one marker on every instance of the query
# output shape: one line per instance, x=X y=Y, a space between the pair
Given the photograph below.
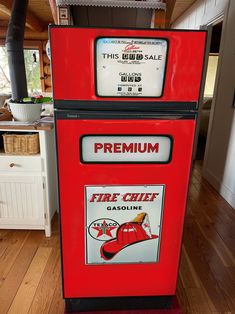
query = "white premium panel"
x=102 y=148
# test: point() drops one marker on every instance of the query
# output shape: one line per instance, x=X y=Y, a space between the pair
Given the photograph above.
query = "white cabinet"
x=28 y=186
x=21 y=198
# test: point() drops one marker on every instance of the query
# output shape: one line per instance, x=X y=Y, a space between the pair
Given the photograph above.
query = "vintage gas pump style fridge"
x=126 y=103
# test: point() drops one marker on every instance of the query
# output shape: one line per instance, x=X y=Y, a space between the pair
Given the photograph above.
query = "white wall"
x=210 y=75
x=219 y=163
x=202 y=12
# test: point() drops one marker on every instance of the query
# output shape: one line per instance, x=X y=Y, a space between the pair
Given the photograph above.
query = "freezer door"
x=145 y=68
x=123 y=187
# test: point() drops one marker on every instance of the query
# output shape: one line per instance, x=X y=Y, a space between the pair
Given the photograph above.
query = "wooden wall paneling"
x=80 y=15
x=125 y=17
x=111 y=17
x=45 y=58
x=47 y=80
x=48 y=89
x=45 y=70
x=143 y=18
x=32 y=44
x=99 y=16
x=44 y=43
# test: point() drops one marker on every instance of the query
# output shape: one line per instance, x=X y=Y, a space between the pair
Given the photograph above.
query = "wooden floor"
x=30 y=264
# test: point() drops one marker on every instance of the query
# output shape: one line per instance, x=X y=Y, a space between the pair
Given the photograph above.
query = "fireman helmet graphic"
x=128 y=234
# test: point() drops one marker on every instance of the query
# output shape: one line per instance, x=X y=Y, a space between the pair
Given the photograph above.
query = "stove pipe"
x=15 y=51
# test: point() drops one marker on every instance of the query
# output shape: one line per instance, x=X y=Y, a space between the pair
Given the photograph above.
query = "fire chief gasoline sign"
x=123 y=223
x=130 y=67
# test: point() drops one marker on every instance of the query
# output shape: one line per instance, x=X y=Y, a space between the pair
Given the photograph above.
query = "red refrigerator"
x=126 y=103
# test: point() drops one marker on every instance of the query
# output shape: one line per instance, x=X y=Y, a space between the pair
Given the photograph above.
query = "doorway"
x=209 y=89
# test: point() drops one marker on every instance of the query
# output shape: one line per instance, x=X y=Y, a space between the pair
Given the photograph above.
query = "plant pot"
x=25 y=112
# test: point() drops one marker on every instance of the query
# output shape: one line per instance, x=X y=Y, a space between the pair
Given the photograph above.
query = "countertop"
x=39 y=126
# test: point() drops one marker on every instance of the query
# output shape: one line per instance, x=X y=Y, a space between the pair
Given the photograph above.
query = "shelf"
x=2 y=153
x=17 y=126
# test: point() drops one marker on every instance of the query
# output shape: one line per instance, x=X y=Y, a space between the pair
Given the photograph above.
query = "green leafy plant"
x=32 y=100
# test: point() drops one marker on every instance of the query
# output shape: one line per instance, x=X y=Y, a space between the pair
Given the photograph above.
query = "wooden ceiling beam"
x=181 y=7
x=170 y=4
x=32 y=21
x=54 y=10
x=29 y=34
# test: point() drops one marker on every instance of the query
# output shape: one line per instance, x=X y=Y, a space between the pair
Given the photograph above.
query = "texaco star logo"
x=103 y=229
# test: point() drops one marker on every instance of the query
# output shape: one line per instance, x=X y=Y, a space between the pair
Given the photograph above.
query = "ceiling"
x=40 y=9
x=180 y=7
x=40 y=15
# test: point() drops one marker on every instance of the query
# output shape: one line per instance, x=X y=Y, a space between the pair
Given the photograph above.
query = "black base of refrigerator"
x=118 y=303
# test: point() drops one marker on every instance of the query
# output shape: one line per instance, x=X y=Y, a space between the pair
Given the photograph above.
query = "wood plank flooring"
x=30 y=279
x=207 y=272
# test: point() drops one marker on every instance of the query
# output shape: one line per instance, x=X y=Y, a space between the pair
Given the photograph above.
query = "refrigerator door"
x=123 y=184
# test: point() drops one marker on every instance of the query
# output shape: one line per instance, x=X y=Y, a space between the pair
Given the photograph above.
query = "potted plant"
x=28 y=109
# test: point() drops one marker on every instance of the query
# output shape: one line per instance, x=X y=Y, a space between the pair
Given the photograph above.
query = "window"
x=5 y=86
x=32 y=65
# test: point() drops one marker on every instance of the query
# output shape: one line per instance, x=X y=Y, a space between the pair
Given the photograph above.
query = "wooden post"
x=53 y=7
x=169 y=10
x=160 y=19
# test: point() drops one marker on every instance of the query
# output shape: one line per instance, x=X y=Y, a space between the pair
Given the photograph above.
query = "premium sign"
x=124 y=148
x=123 y=223
x=130 y=67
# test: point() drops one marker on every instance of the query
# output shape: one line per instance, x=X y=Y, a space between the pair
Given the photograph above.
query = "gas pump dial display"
x=130 y=67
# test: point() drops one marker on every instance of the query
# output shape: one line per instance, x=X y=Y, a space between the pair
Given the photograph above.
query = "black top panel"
x=125 y=105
